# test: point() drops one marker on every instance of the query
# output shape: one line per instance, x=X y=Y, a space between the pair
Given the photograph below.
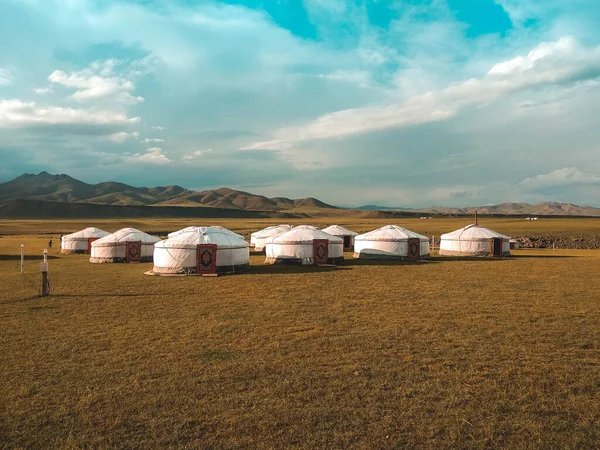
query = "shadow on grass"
x=268 y=269
x=542 y=256
x=27 y=257
x=386 y=262
x=491 y=259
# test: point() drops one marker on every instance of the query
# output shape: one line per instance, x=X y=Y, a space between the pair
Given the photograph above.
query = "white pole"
x=46 y=257
x=22 y=258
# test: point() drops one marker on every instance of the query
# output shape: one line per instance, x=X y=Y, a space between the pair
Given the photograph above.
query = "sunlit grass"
x=441 y=354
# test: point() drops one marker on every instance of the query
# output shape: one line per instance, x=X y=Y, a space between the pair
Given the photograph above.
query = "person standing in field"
x=50 y=243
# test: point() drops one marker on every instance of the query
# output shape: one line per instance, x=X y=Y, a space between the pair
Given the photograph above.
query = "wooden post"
x=22 y=258
x=44 y=270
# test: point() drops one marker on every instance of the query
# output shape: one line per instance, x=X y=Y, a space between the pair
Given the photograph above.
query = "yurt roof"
x=192 y=228
x=203 y=235
x=338 y=230
x=271 y=231
x=390 y=233
x=305 y=227
x=472 y=232
x=127 y=235
x=301 y=235
x=86 y=233
x=228 y=231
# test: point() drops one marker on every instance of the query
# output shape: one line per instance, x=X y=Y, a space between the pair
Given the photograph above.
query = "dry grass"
x=444 y=354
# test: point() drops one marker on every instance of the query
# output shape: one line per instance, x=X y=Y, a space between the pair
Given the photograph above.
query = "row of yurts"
x=217 y=249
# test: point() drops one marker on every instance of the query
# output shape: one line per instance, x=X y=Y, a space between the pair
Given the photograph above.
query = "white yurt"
x=474 y=240
x=217 y=227
x=201 y=250
x=391 y=242
x=258 y=238
x=81 y=241
x=346 y=234
x=303 y=245
x=125 y=245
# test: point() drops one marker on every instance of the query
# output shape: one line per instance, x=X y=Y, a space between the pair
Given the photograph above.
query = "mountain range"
x=63 y=188
x=31 y=191
x=508 y=209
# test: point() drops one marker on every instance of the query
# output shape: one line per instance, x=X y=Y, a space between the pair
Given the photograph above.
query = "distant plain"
x=448 y=353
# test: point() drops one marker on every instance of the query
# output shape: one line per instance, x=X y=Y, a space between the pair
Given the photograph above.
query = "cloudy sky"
x=392 y=102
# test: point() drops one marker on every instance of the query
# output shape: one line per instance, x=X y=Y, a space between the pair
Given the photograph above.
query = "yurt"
x=391 y=242
x=201 y=250
x=344 y=233
x=126 y=245
x=258 y=238
x=474 y=240
x=303 y=245
x=223 y=229
x=81 y=241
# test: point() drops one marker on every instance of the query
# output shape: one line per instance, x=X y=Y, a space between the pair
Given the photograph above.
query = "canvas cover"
x=389 y=242
x=297 y=245
x=337 y=230
x=344 y=233
x=192 y=228
x=472 y=240
x=179 y=254
x=258 y=239
x=78 y=242
x=113 y=248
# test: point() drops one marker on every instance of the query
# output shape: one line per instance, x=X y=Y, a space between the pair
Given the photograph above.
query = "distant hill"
x=507 y=209
x=46 y=187
x=38 y=209
x=542 y=209
x=382 y=208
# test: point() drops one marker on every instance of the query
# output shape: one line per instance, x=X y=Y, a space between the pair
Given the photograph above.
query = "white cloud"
x=97 y=82
x=122 y=136
x=549 y=63
x=568 y=176
x=153 y=155
x=43 y=90
x=158 y=128
x=275 y=145
x=5 y=77
x=191 y=156
x=359 y=77
x=16 y=113
x=152 y=140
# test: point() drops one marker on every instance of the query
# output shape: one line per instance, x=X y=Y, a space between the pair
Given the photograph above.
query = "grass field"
x=443 y=354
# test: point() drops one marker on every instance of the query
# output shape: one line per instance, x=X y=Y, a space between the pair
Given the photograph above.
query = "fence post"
x=22 y=258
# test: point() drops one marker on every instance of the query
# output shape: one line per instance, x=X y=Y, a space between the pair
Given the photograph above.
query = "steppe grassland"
x=443 y=354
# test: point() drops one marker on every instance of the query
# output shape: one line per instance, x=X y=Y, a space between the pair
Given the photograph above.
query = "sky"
x=390 y=102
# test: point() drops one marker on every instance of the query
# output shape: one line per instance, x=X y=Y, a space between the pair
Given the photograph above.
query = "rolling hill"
x=502 y=209
x=64 y=188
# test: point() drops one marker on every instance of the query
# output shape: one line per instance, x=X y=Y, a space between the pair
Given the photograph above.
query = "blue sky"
x=393 y=102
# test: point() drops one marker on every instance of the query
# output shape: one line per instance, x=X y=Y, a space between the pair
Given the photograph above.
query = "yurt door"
x=134 y=252
x=89 y=247
x=414 y=249
x=320 y=251
x=347 y=242
x=497 y=246
x=206 y=258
